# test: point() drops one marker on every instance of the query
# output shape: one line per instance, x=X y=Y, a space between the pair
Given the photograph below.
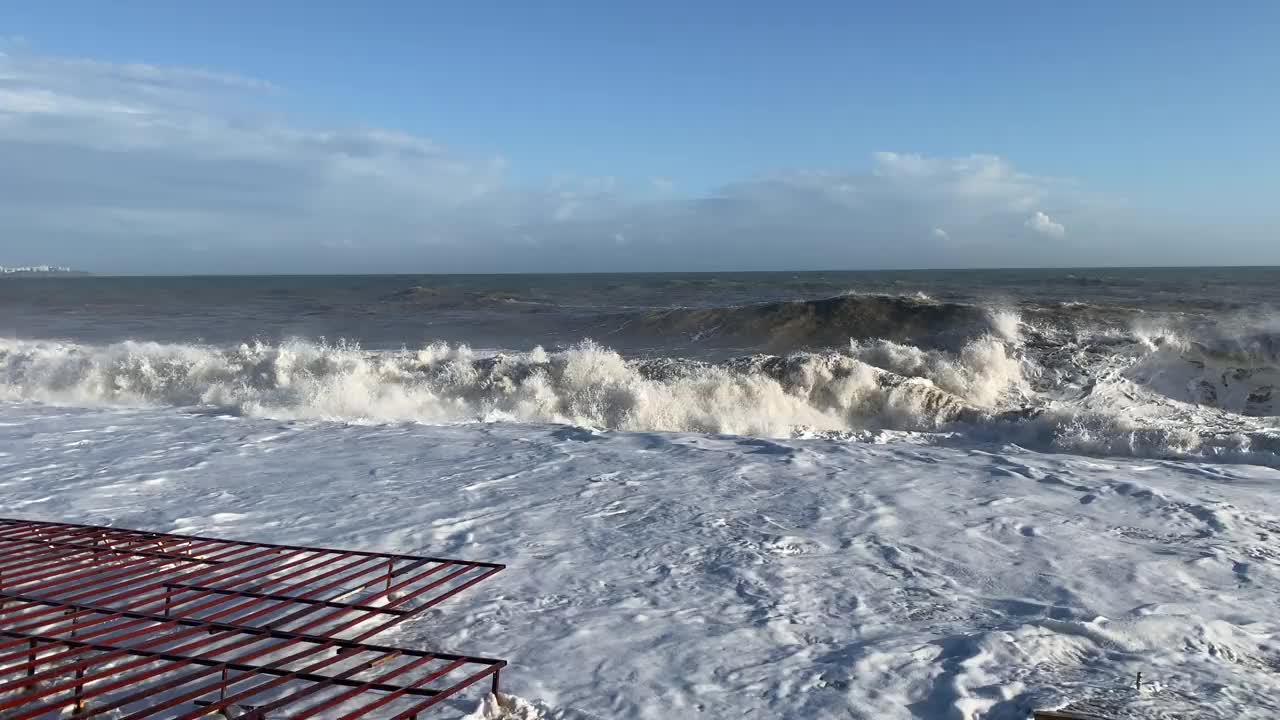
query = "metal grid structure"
x=332 y=593
x=145 y=624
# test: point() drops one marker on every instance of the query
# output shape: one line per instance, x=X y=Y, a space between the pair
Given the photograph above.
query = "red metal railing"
x=105 y=620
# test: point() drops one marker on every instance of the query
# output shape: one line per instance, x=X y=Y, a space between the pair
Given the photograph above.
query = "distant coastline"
x=39 y=271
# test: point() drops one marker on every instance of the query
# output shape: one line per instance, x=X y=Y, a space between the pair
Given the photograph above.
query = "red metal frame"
x=319 y=591
x=148 y=623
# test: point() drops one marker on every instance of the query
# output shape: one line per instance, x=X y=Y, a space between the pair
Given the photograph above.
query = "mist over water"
x=1152 y=363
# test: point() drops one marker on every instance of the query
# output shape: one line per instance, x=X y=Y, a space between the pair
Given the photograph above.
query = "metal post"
x=79 y=705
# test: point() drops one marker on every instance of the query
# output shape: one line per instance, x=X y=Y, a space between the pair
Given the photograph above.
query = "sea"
x=1177 y=362
x=965 y=495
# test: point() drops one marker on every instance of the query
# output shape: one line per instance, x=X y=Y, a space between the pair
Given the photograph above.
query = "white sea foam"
x=671 y=575
x=1148 y=393
x=876 y=383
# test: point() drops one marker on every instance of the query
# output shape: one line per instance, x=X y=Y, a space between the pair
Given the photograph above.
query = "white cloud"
x=983 y=178
x=133 y=167
x=662 y=186
x=1044 y=225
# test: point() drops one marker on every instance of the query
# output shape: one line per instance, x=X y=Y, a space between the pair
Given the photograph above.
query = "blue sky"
x=1146 y=124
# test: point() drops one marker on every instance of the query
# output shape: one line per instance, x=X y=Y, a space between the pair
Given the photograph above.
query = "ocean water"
x=620 y=310
x=817 y=495
x=1178 y=363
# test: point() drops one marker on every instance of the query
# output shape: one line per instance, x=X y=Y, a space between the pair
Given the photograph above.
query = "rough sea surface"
x=895 y=494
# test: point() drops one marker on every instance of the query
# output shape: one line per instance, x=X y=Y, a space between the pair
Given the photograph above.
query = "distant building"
x=35 y=270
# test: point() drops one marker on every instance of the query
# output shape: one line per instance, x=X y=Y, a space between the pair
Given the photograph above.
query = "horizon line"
x=82 y=274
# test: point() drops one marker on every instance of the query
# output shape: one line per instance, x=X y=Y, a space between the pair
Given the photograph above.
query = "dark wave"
x=830 y=322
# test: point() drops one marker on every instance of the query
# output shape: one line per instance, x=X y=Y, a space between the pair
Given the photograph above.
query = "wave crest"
x=1145 y=395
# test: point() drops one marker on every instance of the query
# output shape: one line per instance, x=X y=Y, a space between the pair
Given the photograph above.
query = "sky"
x=238 y=137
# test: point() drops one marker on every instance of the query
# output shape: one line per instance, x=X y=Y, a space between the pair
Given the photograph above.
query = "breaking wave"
x=586 y=385
x=1149 y=393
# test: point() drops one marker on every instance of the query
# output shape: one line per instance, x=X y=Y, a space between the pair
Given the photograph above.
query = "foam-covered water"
x=671 y=575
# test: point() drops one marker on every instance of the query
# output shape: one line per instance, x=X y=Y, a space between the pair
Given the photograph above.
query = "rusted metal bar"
x=366 y=553
x=287 y=598
x=250 y=668
x=453 y=689
x=361 y=688
x=222 y=683
x=96 y=620
x=107 y=549
x=260 y=631
x=237 y=699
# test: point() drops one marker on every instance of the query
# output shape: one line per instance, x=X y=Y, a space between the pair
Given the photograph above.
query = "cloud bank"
x=144 y=168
